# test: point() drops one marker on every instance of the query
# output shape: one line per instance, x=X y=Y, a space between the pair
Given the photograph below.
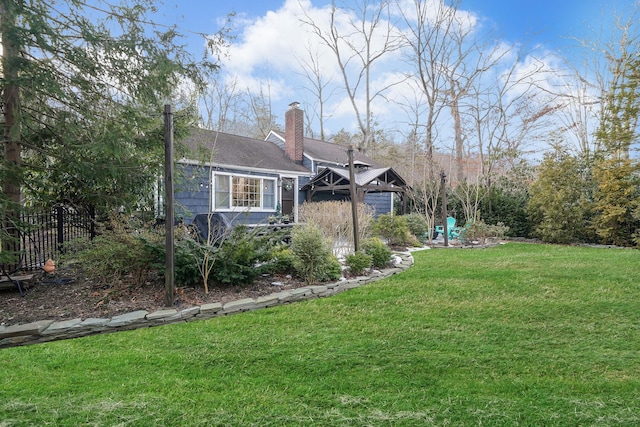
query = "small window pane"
x=246 y=192
x=269 y=196
x=222 y=191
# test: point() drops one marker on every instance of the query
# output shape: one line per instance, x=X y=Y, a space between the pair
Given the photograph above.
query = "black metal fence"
x=42 y=235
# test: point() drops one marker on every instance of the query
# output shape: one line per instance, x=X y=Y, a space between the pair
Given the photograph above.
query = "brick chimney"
x=294 y=132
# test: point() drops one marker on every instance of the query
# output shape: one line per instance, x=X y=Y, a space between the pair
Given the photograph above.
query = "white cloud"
x=434 y=11
x=271 y=41
x=273 y=48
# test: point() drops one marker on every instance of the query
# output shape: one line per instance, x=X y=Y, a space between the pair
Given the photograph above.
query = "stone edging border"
x=48 y=330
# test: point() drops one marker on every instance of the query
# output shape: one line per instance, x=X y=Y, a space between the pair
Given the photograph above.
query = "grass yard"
x=519 y=334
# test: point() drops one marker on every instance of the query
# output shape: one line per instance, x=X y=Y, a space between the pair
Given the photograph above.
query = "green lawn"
x=519 y=334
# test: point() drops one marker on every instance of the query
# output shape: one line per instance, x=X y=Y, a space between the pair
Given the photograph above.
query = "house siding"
x=381 y=202
x=193 y=194
x=278 y=141
x=309 y=164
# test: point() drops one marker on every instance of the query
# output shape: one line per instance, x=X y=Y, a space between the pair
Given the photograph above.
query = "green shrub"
x=313 y=257
x=185 y=251
x=106 y=260
x=479 y=230
x=117 y=252
x=417 y=225
x=379 y=252
x=393 y=229
x=358 y=262
x=237 y=258
x=281 y=262
x=331 y=270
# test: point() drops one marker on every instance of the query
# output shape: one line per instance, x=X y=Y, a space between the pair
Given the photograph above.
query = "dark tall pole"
x=443 y=188
x=354 y=200
x=169 y=274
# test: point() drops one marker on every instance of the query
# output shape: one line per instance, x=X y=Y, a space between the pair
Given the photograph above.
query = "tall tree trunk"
x=12 y=149
x=459 y=140
x=11 y=135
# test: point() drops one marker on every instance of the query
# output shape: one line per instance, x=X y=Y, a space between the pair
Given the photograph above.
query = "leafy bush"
x=393 y=229
x=331 y=270
x=507 y=206
x=417 y=225
x=281 y=262
x=379 y=252
x=185 y=250
x=561 y=199
x=313 y=257
x=358 y=262
x=237 y=257
x=106 y=260
x=118 y=251
x=482 y=231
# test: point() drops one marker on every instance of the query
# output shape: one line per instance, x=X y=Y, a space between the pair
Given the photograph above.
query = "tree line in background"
x=83 y=88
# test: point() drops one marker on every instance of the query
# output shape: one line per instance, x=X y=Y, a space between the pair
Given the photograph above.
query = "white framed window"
x=243 y=192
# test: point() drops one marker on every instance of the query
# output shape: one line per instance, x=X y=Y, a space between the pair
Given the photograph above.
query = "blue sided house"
x=249 y=180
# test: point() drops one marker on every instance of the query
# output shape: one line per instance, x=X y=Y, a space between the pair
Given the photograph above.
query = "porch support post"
x=354 y=200
x=443 y=183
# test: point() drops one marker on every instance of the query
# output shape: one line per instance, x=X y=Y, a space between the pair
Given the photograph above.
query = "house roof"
x=220 y=148
x=327 y=152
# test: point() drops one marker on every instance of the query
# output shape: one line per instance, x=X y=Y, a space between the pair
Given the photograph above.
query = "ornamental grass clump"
x=335 y=221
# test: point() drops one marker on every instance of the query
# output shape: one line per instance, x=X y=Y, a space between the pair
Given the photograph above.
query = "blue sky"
x=269 y=30
x=548 y=21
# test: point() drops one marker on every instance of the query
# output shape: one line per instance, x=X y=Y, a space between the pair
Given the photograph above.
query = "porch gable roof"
x=371 y=180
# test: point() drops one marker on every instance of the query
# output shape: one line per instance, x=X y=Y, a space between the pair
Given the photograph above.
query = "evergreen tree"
x=89 y=82
x=617 y=199
x=560 y=199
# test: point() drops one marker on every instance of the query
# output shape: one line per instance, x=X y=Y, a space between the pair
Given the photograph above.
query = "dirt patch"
x=69 y=295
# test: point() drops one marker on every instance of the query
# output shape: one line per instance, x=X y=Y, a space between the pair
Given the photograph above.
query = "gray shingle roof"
x=234 y=150
x=327 y=152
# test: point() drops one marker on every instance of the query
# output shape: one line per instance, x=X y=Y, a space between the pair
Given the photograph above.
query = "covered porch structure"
x=336 y=181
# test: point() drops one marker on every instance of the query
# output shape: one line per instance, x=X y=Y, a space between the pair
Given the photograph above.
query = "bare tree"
x=470 y=59
x=359 y=38
x=258 y=113
x=509 y=113
x=618 y=81
x=221 y=101
x=579 y=115
x=430 y=47
x=429 y=42
x=319 y=89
